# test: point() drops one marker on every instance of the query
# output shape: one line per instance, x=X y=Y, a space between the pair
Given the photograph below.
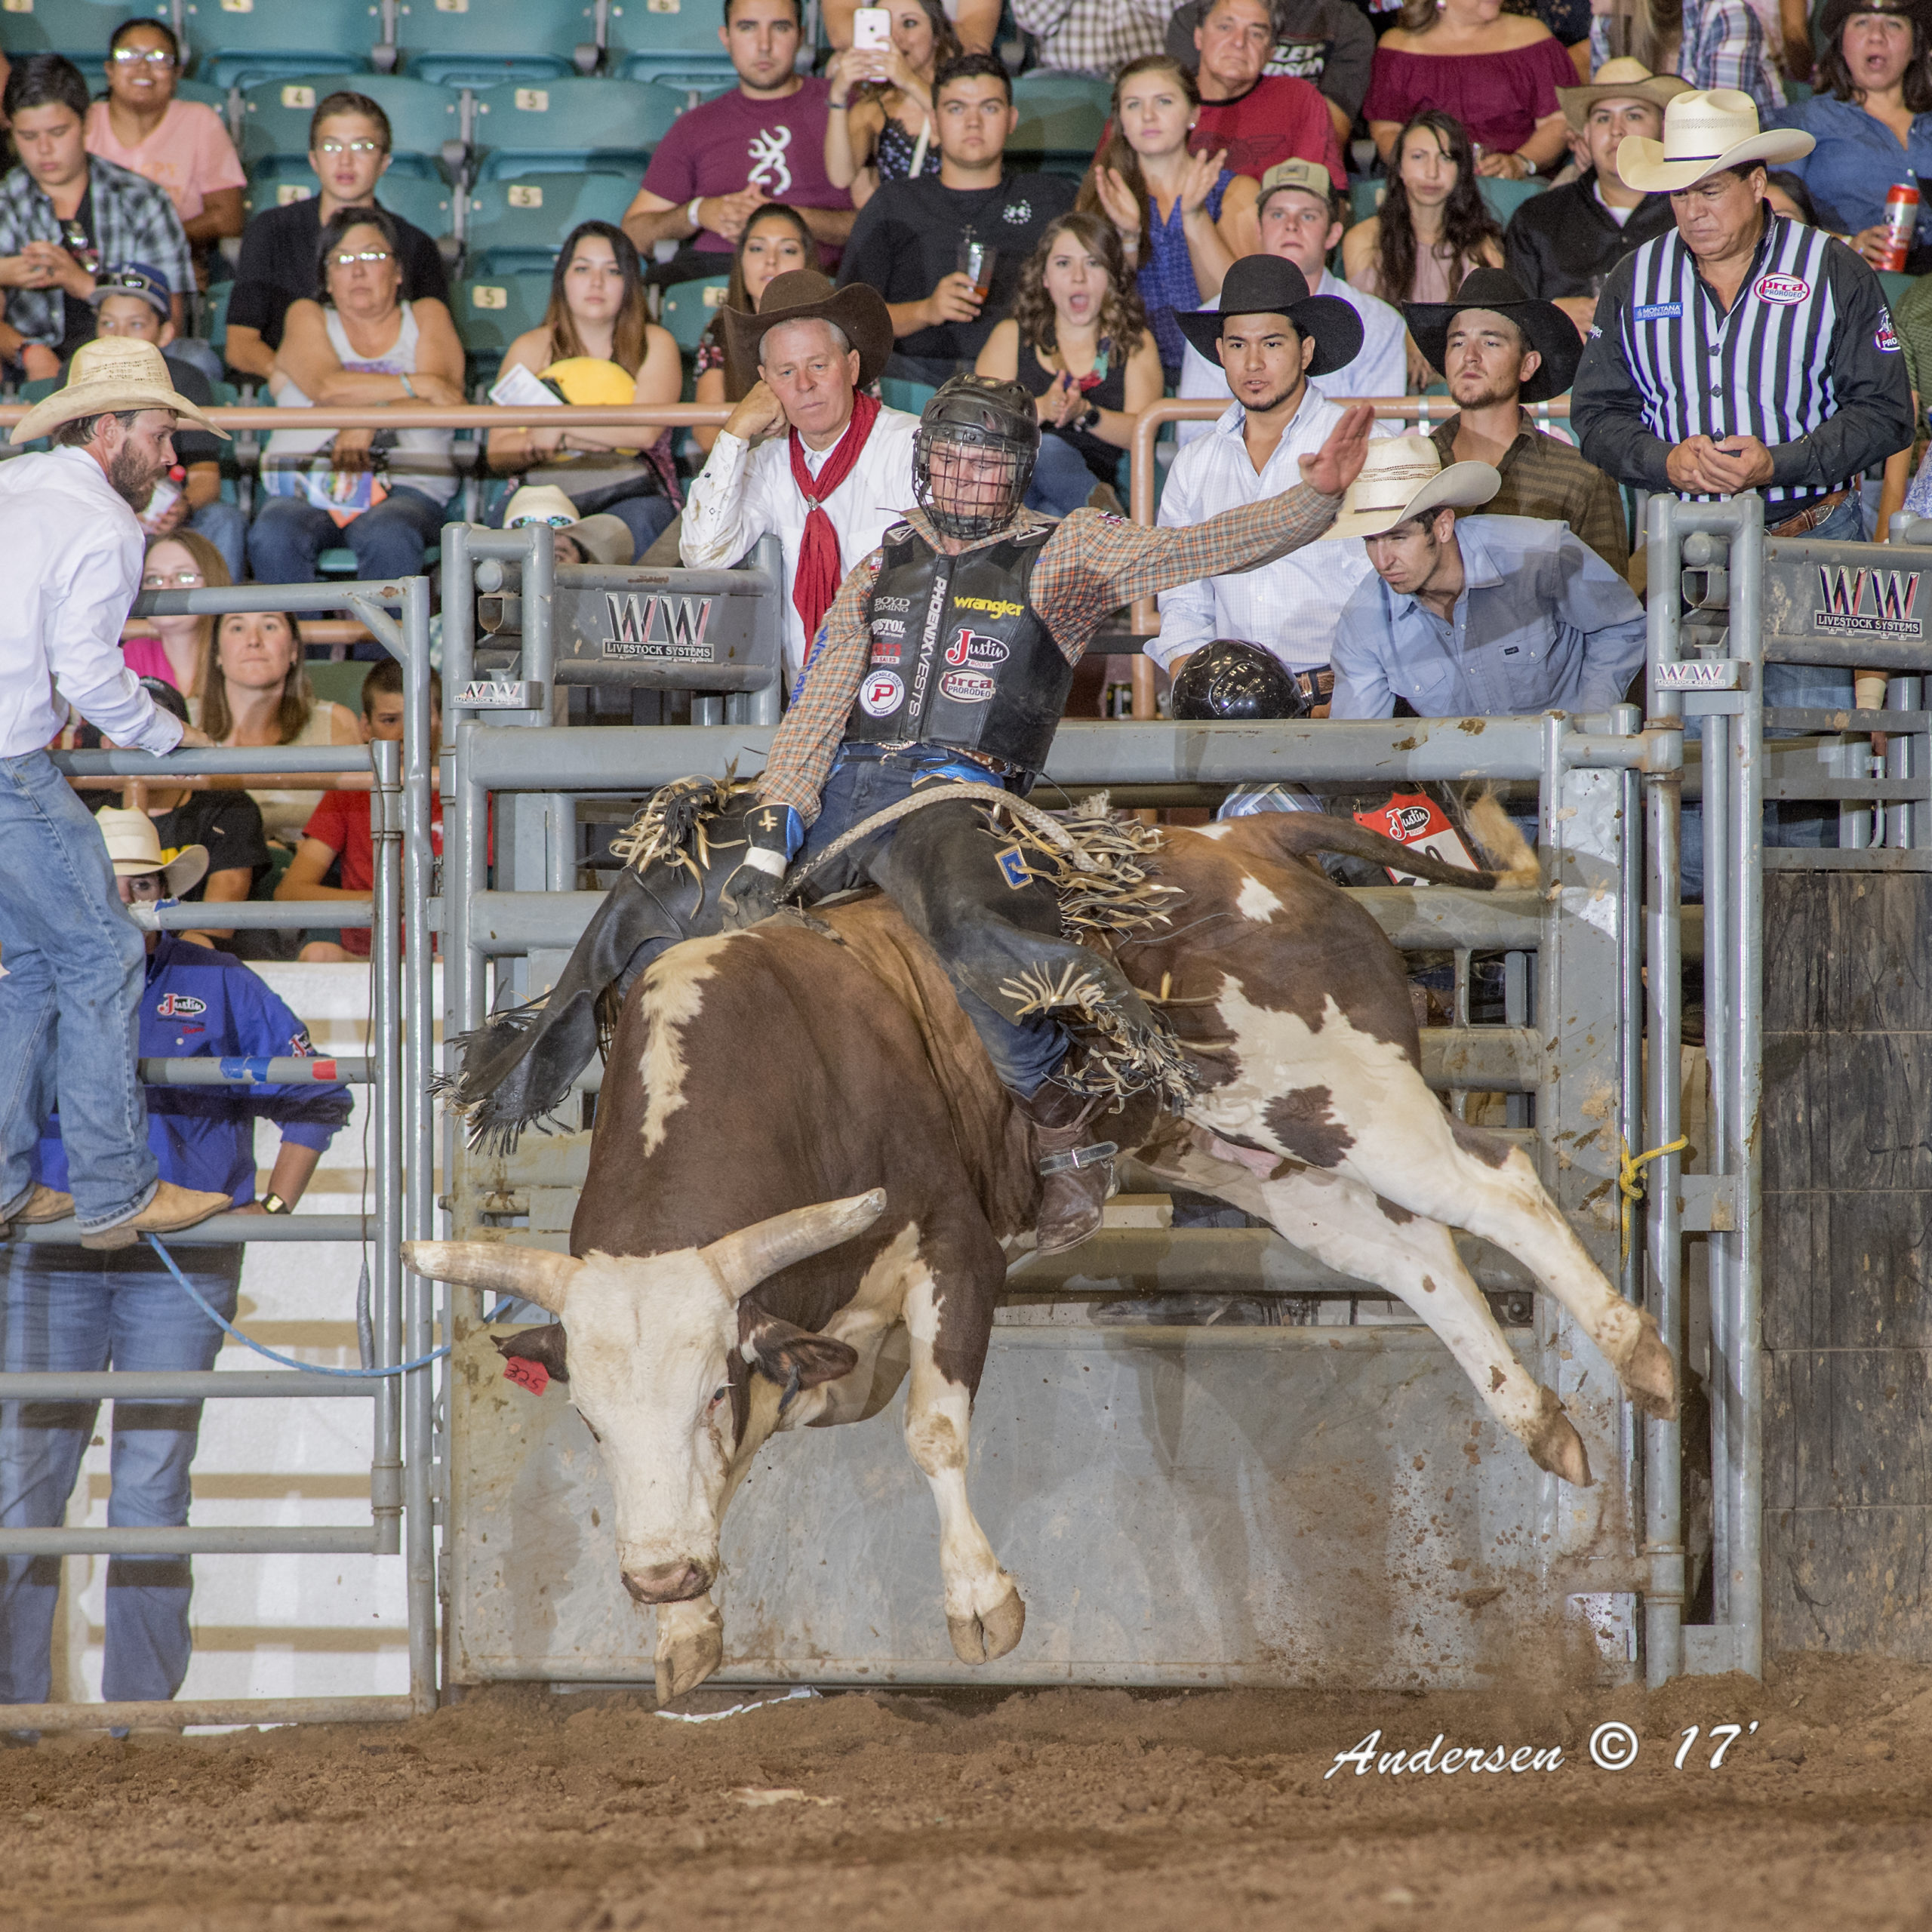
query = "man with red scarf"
x=809 y=454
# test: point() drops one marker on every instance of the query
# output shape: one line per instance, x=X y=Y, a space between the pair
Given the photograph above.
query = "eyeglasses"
x=365 y=146
x=136 y=56
x=554 y=522
x=176 y=581
x=124 y=279
x=348 y=259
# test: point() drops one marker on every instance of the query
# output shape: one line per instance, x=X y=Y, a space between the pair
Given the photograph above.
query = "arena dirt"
x=1103 y=1809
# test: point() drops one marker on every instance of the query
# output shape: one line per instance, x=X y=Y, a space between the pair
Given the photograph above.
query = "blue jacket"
x=198 y=1000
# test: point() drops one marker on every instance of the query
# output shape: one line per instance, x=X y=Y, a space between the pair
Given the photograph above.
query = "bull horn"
x=743 y=1259
x=533 y=1273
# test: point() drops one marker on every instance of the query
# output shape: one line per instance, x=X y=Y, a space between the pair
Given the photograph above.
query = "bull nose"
x=667 y=1583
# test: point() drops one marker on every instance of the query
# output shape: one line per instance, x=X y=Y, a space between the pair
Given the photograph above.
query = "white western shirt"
x=74 y=553
x=744 y=492
x=1289 y=607
x=1380 y=368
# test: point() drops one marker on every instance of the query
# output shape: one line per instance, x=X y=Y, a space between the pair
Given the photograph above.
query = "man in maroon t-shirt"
x=1258 y=122
x=764 y=141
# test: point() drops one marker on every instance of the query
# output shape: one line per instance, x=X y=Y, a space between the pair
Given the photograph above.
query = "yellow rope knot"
x=1631 y=1183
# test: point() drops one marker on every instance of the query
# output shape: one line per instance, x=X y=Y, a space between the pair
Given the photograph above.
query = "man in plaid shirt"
x=62 y=213
x=947 y=655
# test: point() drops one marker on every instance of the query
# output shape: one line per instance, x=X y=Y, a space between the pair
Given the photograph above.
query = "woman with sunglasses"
x=360 y=344
x=174 y=649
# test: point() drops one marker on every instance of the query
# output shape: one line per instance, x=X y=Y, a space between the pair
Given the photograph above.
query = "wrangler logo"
x=679 y=622
x=1887 y=612
x=991 y=606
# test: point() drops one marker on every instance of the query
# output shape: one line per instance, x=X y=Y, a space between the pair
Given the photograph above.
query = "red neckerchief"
x=819 y=571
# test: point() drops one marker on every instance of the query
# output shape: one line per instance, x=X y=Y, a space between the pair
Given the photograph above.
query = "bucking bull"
x=805 y=1173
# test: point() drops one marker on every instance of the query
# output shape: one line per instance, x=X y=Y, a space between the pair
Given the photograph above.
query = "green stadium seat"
x=79 y=29
x=206 y=92
x=521 y=224
x=571 y=123
x=276 y=116
x=689 y=306
x=1502 y=198
x=240 y=42
x=895 y=392
x=674 y=40
x=493 y=311
x=1365 y=197
x=1895 y=283
x=1061 y=116
x=426 y=204
x=483 y=43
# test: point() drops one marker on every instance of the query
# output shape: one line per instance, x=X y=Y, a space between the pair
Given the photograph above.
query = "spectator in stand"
x=1327 y=42
x=180 y=145
x=1497 y=73
x=255 y=690
x=974 y=22
x=1254 y=121
x=62 y=212
x=1078 y=342
x=1433 y=226
x=70 y=1311
x=132 y=300
x=776 y=241
x=339 y=827
x=1785 y=195
x=597 y=316
x=763 y=141
x=1721 y=44
x=879 y=117
x=1499 y=349
x=1562 y=245
x=1301 y=215
x=907 y=241
x=575 y=538
x=1872 y=119
x=173 y=651
x=349 y=149
x=1097 y=37
x=808 y=455
x=1182 y=218
x=358 y=344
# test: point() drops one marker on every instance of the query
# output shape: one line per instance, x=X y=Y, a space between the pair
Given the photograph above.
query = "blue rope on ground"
x=228 y=1328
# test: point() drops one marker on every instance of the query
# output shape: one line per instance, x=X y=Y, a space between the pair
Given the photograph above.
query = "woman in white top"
x=381 y=492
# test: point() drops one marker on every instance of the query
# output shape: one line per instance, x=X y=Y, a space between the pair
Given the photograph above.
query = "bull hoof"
x=1554 y=1445
x=688 y=1659
x=980 y=1639
x=1649 y=1376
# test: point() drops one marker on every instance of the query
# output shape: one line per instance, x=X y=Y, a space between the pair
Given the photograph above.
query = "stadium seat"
x=79 y=29
x=689 y=307
x=482 y=43
x=1365 y=197
x=1061 y=119
x=674 y=40
x=240 y=42
x=570 y=124
x=1895 y=283
x=276 y=116
x=895 y=392
x=493 y=311
x=521 y=224
x=1502 y=198
x=425 y=204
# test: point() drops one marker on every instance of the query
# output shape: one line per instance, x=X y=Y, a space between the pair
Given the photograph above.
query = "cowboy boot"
x=1078 y=1173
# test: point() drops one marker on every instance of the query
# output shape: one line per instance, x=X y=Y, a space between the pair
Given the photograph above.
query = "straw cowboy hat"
x=1623 y=79
x=134 y=846
x=803 y=295
x=1545 y=328
x=112 y=373
x=1402 y=477
x=603 y=540
x=1705 y=131
x=1267 y=285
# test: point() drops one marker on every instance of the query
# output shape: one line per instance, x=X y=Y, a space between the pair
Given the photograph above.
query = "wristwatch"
x=273 y=1203
x=1091 y=421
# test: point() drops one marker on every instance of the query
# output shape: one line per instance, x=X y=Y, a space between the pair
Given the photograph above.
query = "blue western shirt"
x=1543 y=624
x=196 y=1001
x=1857 y=158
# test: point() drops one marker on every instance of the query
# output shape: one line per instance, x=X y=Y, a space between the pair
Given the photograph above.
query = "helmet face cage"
x=983 y=476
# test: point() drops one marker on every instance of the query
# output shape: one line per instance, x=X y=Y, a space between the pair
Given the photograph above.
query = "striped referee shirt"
x=1806 y=360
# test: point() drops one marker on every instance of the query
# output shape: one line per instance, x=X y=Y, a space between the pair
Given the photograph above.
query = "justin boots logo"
x=975 y=647
x=180 y=1006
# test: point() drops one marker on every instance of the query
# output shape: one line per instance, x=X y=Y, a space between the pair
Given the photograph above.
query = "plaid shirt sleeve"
x=1090 y=36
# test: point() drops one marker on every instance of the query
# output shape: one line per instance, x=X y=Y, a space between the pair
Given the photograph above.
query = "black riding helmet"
x=975 y=412
x=1229 y=679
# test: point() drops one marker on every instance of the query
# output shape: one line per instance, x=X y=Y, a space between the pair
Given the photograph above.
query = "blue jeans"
x=227 y=528
x=69 y=1310
x=69 y=1002
x=1062 y=482
x=288 y=534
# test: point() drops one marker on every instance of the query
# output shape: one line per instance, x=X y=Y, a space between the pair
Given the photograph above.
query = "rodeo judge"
x=74 y=960
x=947 y=655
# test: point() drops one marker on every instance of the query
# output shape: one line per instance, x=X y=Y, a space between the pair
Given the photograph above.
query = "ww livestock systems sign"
x=1843 y=595
x=664 y=630
x=1867 y=603
x=669 y=630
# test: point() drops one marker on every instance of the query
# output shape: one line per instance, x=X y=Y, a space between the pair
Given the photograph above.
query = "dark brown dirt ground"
x=516 y=1810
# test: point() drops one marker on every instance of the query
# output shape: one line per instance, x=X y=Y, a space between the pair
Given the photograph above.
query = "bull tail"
x=1302 y=834
x=1505 y=848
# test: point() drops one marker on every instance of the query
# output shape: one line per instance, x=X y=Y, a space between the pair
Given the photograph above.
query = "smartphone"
x=872 y=27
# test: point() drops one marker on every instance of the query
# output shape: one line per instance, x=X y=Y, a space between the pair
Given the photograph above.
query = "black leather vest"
x=959 y=655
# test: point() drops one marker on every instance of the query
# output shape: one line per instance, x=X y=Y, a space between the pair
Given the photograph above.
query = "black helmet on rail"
x=977 y=443
x=1229 y=678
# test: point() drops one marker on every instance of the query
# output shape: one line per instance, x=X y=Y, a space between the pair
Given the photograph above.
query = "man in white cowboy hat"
x=1473 y=616
x=63 y=1309
x=73 y=958
x=578 y=540
x=1561 y=245
x=808 y=453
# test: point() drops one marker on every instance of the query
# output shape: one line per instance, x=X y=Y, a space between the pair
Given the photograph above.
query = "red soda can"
x=1901 y=223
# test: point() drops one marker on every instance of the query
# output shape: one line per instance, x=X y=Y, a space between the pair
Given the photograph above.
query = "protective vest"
x=959 y=657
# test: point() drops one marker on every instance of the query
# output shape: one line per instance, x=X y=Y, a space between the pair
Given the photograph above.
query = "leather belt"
x=1811 y=516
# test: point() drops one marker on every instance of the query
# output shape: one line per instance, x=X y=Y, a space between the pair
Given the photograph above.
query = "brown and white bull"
x=803 y=1172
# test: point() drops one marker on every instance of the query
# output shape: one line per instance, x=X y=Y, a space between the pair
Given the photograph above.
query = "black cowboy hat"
x=803 y=295
x=1545 y=327
x=1837 y=12
x=1267 y=285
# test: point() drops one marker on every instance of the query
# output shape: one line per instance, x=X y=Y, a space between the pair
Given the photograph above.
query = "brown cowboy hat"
x=1623 y=79
x=803 y=295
